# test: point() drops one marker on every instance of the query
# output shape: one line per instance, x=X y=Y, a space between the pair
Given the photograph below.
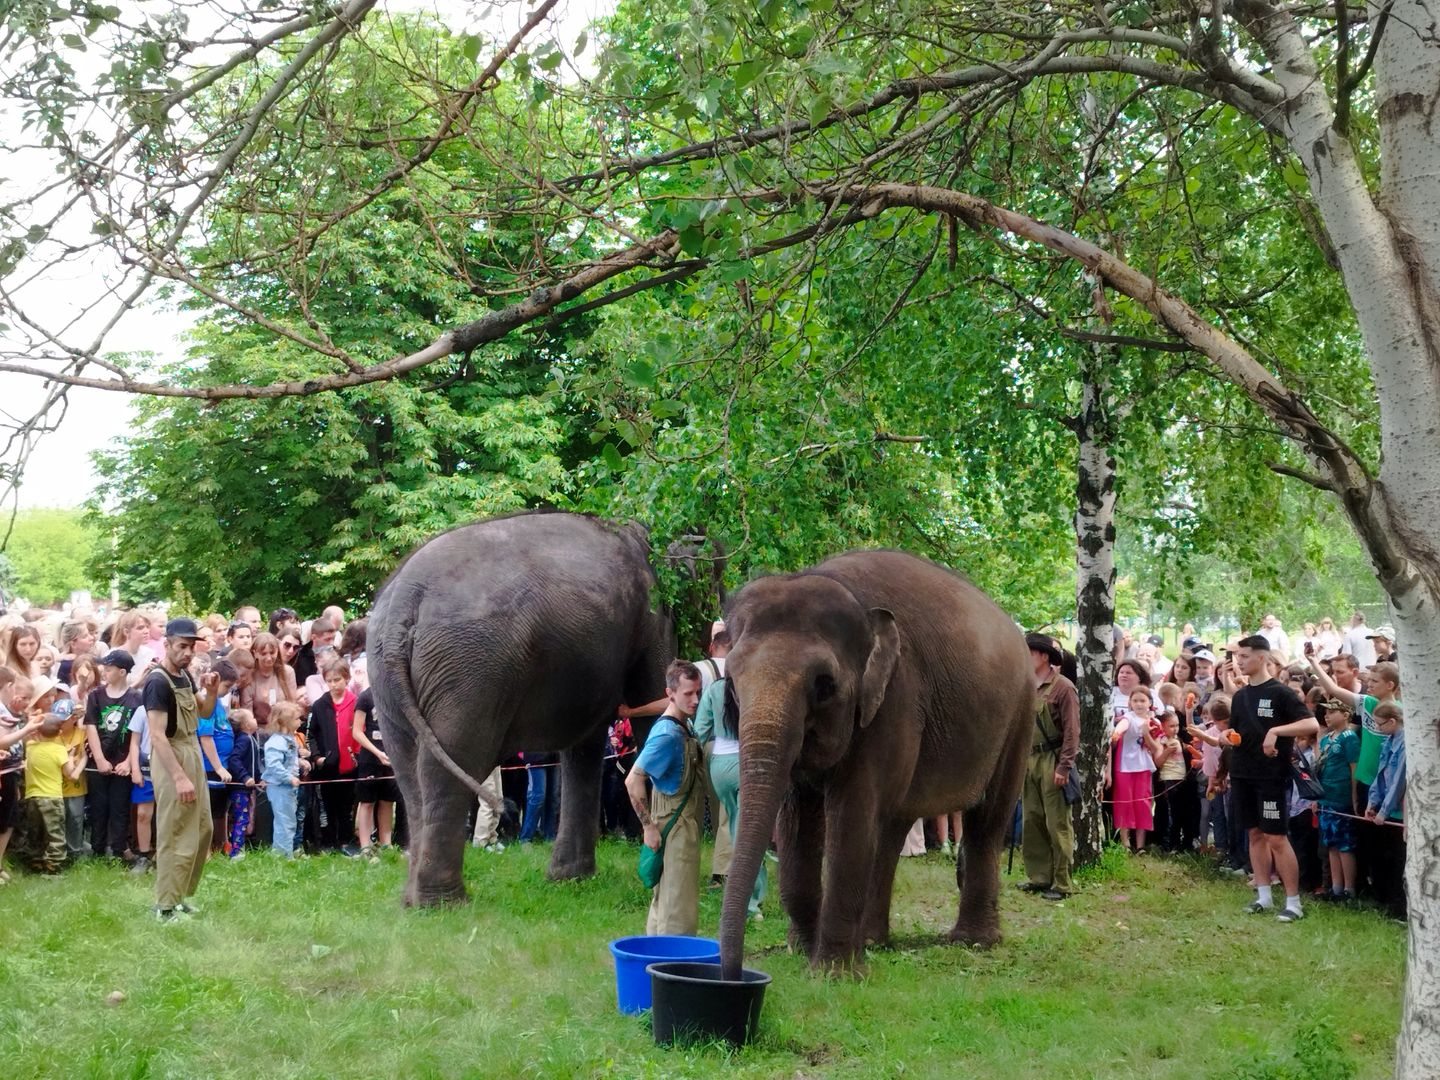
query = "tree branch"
x=1299 y=474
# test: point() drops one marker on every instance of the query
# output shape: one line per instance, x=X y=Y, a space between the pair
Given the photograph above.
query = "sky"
x=60 y=473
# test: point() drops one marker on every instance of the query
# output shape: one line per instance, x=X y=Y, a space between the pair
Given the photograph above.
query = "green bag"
x=652 y=861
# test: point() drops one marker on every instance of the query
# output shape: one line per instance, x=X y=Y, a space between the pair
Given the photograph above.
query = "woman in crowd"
x=272 y=682
x=77 y=638
x=1327 y=640
x=20 y=655
x=352 y=648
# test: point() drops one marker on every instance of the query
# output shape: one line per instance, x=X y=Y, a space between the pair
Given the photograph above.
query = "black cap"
x=1043 y=645
x=182 y=628
x=118 y=658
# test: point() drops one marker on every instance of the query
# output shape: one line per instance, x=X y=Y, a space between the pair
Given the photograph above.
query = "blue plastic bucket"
x=634 y=954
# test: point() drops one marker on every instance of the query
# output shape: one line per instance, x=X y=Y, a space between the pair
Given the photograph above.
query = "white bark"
x=1094 y=592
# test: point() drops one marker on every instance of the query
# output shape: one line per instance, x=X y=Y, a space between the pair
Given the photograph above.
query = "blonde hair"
x=285 y=716
x=240 y=717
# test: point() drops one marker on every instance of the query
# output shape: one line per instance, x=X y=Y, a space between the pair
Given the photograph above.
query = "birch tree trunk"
x=1094 y=591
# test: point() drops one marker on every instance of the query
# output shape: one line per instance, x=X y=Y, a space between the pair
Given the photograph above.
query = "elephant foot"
x=801 y=942
x=977 y=937
x=446 y=896
x=565 y=866
x=851 y=966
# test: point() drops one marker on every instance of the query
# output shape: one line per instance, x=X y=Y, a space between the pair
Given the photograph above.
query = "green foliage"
x=1315 y=1054
x=51 y=552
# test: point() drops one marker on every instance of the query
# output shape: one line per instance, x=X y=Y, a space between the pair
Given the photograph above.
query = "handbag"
x=1309 y=788
x=652 y=860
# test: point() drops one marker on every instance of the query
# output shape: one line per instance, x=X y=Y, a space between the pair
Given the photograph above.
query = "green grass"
x=312 y=969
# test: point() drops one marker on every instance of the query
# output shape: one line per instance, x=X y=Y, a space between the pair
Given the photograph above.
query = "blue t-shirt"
x=663 y=756
x=217 y=726
x=1338 y=751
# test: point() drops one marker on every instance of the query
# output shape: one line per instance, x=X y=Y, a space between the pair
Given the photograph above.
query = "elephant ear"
x=884 y=655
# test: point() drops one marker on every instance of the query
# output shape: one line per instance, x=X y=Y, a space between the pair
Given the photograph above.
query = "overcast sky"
x=60 y=471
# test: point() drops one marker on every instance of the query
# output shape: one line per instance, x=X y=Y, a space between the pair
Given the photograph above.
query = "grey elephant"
x=873 y=689
x=517 y=633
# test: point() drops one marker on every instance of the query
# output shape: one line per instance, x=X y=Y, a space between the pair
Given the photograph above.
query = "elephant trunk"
x=768 y=747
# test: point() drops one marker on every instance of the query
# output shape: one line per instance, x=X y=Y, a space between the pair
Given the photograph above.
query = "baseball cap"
x=1205 y=654
x=1387 y=632
x=118 y=658
x=183 y=628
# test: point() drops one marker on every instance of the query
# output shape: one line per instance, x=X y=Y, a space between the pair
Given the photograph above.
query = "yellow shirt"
x=44 y=758
x=77 y=738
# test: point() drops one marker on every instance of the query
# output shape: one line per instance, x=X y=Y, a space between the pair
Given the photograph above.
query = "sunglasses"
x=288 y=645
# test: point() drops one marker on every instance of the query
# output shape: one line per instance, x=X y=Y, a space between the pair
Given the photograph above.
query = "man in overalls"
x=173 y=706
x=1049 y=836
x=671 y=760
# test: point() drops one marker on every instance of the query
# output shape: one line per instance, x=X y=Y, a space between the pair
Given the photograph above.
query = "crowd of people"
x=1286 y=762
x=117 y=731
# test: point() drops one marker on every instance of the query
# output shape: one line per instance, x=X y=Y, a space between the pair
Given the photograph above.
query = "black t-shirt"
x=1253 y=712
x=110 y=716
x=365 y=703
x=158 y=693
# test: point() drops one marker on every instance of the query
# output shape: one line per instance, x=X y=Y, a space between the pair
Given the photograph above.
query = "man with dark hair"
x=671 y=760
x=1049 y=833
x=173 y=707
x=1267 y=715
x=307 y=658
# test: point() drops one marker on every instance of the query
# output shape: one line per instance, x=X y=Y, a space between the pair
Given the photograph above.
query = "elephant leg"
x=437 y=858
x=850 y=842
x=400 y=746
x=888 y=846
x=987 y=825
x=801 y=846
x=580 y=773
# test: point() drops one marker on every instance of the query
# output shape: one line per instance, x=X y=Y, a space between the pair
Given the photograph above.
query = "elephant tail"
x=402 y=688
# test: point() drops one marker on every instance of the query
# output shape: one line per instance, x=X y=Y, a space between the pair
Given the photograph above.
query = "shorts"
x=373 y=789
x=1336 y=832
x=142 y=793
x=219 y=802
x=1262 y=804
x=10 y=800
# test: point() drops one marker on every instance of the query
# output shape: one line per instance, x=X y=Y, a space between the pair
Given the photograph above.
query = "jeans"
x=537 y=815
x=75 y=827
x=282 y=807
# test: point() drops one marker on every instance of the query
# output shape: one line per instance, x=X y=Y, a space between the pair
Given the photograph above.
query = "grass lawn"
x=312 y=969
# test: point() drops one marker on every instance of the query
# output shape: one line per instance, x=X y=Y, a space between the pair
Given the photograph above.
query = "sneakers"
x=187 y=908
x=169 y=915
x=141 y=864
x=1289 y=915
x=1255 y=907
x=494 y=849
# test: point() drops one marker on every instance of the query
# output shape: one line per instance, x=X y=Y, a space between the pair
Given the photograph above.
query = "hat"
x=1337 y=705
x=183 y=628
x=39 y=687
x=118 y=658
x=1387 y=632
x=1043 y=645
x=1156 y=640
x=1204 y=654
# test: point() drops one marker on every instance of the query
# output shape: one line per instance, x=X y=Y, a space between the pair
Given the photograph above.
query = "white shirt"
x=709 y=674
x=1327 y=644
x=1278 y=639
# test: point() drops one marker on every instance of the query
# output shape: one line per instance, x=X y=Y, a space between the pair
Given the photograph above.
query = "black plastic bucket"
x=690 y=1002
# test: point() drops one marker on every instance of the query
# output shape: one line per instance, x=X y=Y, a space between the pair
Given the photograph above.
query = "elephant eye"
x=825 y=688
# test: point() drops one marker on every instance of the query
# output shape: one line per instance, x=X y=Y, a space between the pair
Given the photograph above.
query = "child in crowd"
x=108 y=710
x=282 y=773
x=73 y=785
x=142 y=791
x=1335 y=769
x=1169 y=779
x=1218 y=742
x=45 y=758
x=1385 y=809
x=1134 y=745
x=245 y=763
x=375 y=793
x=217 y=738
x=1302 y=824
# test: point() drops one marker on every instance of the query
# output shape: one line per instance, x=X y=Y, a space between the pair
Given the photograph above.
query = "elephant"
x=872 y=689
x=512 y=634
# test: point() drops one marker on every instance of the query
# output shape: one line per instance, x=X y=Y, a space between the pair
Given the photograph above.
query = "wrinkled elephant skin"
x=521 y=633
x=873 y=689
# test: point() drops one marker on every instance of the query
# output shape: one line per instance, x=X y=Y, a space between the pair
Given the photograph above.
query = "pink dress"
x=1132 y=789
